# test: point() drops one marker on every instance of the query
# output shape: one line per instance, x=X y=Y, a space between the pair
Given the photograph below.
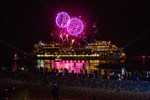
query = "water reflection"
x=75 y=66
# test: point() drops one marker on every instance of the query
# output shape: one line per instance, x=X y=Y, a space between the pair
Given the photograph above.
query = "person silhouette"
x=94 y=98
x=55 y=91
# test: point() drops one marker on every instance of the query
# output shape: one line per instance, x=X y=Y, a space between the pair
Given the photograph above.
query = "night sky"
x=24 y=23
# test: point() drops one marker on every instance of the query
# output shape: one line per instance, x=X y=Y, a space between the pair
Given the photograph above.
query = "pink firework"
x=75 y=26
x=62 y=19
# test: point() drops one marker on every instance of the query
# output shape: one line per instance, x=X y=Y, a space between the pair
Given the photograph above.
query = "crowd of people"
x=79 y=81
x=73 y=80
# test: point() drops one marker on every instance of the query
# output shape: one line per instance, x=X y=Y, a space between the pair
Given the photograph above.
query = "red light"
x=73 y=40
x=143 y=56
x=15 y=55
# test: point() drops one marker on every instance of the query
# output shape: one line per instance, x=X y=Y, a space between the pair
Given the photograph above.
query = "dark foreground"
x=22 y=90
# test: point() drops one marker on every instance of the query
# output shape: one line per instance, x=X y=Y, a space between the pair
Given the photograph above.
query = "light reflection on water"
x=76 y=66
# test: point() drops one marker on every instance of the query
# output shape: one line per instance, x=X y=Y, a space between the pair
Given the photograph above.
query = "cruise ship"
x=98 y=50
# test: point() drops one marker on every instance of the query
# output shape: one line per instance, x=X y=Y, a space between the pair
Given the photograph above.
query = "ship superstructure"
x=99 y=50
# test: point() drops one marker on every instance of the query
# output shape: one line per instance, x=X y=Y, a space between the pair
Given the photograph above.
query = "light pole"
x=143 y=59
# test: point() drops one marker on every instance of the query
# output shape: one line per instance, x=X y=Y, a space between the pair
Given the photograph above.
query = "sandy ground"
x=38 y=91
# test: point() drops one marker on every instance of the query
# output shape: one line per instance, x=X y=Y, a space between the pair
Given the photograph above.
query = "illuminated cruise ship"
x=68 y=45
x=99 y=50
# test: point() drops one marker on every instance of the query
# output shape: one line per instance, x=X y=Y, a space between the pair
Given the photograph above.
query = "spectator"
x=55 y=91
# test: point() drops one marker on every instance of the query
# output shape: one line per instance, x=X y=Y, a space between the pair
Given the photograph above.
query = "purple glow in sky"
x=75 y=26
x=62 y=19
